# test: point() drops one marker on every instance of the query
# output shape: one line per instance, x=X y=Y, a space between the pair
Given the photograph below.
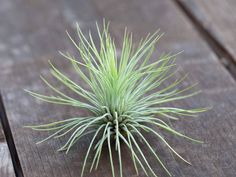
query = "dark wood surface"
x=217 y=18
x=33 y=31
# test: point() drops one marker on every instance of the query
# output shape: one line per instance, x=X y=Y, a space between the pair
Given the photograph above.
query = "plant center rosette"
x=125 y=100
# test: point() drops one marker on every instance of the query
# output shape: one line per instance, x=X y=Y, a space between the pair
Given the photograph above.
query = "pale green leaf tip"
x=121 y=85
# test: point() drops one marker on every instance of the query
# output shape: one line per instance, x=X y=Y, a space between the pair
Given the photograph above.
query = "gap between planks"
x=222 y=54
x=9 y=139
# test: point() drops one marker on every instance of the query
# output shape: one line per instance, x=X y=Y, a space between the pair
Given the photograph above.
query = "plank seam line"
x=226 y=59
x=9 y=139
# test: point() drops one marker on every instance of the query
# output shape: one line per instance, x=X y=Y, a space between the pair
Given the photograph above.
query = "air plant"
x=125 y=99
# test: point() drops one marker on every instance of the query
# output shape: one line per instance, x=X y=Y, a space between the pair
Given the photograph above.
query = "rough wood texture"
x=6 y=167
x=32 y=33
x=217 y=18
x=1 y=134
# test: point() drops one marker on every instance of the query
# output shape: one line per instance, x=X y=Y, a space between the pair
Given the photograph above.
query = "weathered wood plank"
x=212 y=159
x=1 y=134
x=218 y=21
x=40 y=26
x=25 y=38
x=6 y=167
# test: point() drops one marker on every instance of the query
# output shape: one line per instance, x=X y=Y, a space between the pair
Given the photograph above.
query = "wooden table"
x=32 y=32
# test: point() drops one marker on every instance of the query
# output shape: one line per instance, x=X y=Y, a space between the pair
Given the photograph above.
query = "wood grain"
x=1 y=134
x=32 y=33
x=218 y=21
x=6 y=167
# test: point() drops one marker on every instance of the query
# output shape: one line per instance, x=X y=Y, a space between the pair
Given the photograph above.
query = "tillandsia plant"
x=124 y=101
